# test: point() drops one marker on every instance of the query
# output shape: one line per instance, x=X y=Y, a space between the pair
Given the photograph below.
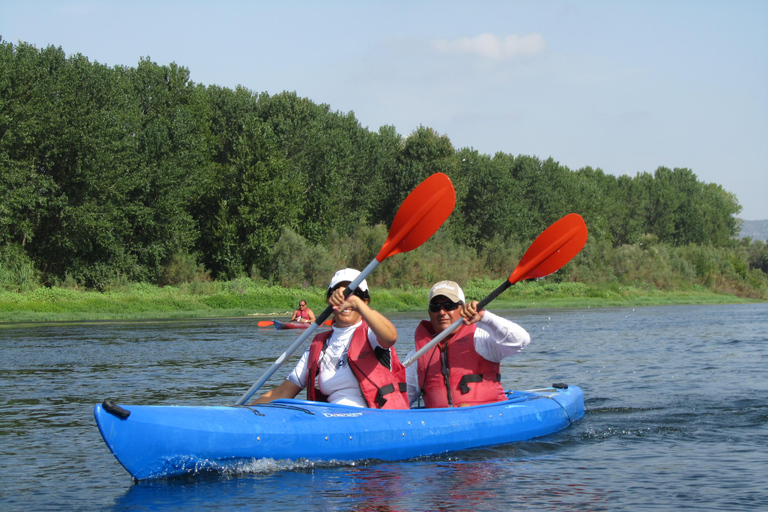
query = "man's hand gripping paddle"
x=551 y=250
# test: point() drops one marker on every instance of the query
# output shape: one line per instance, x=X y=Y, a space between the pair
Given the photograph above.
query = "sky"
x=623 y=86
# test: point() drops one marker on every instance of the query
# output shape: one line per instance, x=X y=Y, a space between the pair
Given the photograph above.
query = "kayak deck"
x=161 y=441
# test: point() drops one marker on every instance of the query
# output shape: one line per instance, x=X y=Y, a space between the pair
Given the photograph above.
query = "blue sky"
x=624 y=86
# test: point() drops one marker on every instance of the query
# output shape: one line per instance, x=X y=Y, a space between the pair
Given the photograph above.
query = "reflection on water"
x=449 y=484
x=676 y=398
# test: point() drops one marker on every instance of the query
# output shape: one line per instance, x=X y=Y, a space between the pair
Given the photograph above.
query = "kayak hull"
x=163 y=441
x=291 y=325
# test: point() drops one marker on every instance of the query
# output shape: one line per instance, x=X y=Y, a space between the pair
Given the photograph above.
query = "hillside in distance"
x=757 y=229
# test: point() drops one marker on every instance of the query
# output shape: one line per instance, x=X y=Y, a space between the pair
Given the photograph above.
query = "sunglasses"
x=435 y=307
x=357 y=291
x=302 y=305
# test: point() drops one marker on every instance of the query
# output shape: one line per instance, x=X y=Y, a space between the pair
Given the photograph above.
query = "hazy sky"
x=624 y=86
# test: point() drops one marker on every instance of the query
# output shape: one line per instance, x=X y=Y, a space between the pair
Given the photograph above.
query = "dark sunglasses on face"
x=357 y=291
x=302 y=305
x=435 y=307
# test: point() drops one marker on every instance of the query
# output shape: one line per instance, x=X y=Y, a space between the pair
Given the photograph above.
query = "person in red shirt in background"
x=303 y=314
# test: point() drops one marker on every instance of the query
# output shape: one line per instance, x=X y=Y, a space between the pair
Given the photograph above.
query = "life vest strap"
x=389 y=388
x=475 y=377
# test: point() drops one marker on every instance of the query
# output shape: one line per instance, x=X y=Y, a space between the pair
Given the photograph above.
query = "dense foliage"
x=140 y=175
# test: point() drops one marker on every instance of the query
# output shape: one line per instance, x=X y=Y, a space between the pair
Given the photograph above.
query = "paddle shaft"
x=422 y=213
x=290 y=350
x=552 y=249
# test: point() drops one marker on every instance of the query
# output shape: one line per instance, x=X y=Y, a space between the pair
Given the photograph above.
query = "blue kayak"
x=162 y=441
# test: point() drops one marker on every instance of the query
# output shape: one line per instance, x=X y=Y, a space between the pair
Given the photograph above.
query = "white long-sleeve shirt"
x=495 y=339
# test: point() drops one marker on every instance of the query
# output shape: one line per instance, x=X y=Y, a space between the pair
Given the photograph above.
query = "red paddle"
x=551 y=250
x=421 y=214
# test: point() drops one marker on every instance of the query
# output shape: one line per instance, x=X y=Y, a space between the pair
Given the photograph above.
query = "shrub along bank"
x=647 y=272
x=244 y=297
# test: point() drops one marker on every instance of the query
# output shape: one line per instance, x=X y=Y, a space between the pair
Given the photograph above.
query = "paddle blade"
x=552 y=249
x=421 y=214
x=265 y=323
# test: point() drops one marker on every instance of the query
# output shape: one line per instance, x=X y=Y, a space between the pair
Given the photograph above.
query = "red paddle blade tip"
x=420 y=216
x=552 y=249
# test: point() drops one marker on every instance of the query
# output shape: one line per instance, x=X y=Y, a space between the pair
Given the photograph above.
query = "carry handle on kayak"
x=551 y=250
x=422 y=213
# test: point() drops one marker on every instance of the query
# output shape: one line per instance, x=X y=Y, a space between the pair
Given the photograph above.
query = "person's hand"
x=470 y=314
x=340 y=303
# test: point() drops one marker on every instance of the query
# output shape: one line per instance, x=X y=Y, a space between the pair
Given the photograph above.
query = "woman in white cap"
x=464 y=368
x=353 y=364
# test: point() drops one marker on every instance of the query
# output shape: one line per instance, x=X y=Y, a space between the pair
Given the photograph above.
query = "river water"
x=676 y=398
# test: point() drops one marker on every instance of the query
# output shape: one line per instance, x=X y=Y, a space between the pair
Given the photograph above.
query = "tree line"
x=138 y=172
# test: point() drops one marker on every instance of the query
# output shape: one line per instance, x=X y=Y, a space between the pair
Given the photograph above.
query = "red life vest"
x=302 y=313
x=381 y=387
x=473 y=379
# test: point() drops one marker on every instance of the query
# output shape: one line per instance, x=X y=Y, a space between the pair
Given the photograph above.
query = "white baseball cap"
x=448 y=289
x=347 y=274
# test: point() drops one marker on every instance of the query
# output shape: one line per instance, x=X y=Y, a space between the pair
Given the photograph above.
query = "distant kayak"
x=291 y=325
x=162 y=441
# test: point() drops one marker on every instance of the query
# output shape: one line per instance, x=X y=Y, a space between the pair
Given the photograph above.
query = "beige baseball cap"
x=448 y=289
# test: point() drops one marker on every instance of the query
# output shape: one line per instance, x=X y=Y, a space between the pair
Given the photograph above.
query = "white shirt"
x=495 y=339
x=336 y=378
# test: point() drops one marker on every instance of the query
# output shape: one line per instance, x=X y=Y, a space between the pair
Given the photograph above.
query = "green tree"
x=683 y=210
x=247 y=195
x=424 y=153
x=327 y=153
x=124 y=173
x=718 y=211
x=27 y=190
x=489 y=205
x=627 y=210
x=383 y=157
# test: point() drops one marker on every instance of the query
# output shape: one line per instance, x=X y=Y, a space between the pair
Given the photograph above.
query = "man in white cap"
x=353 y=364
x=464 y=368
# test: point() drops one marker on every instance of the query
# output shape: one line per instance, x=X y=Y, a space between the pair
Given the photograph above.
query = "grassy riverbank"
x=244 y=297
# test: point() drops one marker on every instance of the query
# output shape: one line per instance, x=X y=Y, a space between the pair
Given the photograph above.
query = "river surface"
x=676 y=398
